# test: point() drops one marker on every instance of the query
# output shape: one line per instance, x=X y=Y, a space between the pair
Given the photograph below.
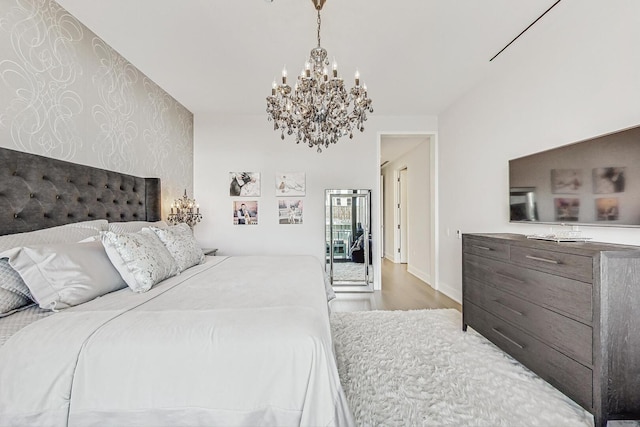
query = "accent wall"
x=65 y=94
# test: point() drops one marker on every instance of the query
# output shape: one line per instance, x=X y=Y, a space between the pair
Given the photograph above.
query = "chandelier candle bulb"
x=357 y=78
x=284 y=75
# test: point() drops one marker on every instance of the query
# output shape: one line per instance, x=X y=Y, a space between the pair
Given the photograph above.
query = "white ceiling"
x=220 y=56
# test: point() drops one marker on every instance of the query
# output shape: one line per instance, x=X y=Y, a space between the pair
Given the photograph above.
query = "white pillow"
x=134 y=226
x=65 y=274
x=61 y=234
x=180 y=243
x=140 y=258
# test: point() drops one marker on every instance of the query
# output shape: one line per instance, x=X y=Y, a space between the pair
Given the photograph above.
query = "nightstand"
x=209 y=251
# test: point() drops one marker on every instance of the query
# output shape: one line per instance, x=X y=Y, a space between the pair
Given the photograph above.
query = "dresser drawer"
x=562 y=333
x=565 y=296
x=569 y=376
x=488 y=248
x=568 y=265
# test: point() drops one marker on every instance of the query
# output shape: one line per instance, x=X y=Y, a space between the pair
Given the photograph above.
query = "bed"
x=224 y=341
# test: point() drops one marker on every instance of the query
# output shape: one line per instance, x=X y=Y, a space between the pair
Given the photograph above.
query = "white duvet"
x=235 y=341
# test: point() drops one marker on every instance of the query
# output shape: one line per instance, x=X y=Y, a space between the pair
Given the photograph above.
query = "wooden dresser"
x=568 y=311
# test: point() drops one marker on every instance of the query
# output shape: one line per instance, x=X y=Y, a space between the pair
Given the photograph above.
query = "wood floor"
x=400 y=291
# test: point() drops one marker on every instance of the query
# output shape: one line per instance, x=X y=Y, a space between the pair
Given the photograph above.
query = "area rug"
x=417 y=368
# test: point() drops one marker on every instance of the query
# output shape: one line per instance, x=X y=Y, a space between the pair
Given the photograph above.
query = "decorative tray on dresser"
x=568 y=311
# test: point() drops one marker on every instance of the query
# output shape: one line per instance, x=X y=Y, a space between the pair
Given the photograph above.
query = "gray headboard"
x=39 y=192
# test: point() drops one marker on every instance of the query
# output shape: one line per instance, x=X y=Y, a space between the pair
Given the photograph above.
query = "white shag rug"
x=417 y=368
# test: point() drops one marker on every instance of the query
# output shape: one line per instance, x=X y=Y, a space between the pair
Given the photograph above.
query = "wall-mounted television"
x=592 y=182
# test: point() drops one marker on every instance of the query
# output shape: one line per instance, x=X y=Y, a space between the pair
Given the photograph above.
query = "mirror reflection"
x=348 y=243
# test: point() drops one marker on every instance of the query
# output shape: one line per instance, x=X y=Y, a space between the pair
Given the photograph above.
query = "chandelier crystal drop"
x=318 y=110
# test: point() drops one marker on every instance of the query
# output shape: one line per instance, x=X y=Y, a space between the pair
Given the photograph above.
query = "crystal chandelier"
x=185 y=210
x=318 y=110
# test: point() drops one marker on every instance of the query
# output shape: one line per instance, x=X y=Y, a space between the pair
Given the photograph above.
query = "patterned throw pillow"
x=14 y=293
x=179 y=240
x=140 y=258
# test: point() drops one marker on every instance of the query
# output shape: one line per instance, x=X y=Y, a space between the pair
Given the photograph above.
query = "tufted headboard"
x=39 y=192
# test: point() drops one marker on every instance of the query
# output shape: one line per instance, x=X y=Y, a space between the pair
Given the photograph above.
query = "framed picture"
x=607 y=209
x=608 y=180
x=290 y=184
x=245 y=212
x=244 y=184
x=566 y=181
x=567 y=209
x=290 y=211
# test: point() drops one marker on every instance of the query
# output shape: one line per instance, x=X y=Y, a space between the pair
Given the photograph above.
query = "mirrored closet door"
x=348 y=240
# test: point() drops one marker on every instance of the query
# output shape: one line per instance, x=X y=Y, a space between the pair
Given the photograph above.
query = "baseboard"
x=453 y=292
x=389 y=257
x=425 y=277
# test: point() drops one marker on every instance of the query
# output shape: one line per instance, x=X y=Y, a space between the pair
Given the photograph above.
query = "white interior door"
x=404 y=214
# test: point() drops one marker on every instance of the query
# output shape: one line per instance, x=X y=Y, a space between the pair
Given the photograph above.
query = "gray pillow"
x=14 y=293
x=140 y=258
x=65 y=274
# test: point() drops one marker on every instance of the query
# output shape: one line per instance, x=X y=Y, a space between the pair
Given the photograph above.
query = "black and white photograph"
x=567 y=209
x=566 y=181
x=607 y=209
x=290 y=184
x=608 y=180
x=290 y=211
x=244 y=184
x=245 y=212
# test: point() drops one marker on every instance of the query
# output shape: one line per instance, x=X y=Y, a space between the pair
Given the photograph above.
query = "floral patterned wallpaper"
x=66 y=94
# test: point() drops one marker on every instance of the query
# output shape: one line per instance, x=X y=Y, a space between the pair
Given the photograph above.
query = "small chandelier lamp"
x=318 y=110
x=185 y=210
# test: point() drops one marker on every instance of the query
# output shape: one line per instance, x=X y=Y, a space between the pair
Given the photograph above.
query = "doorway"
x=408 y=208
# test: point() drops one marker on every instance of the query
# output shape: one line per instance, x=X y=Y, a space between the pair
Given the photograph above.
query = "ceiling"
x=220 y=56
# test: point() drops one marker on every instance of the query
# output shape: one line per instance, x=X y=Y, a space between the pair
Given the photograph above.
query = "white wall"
x=248 y=143
x=417 y=162
x=572 y=76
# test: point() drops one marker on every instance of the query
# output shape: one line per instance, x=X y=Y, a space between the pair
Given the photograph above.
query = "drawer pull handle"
x=550 y=261
x=507 y=276
x=484 y=248
x=507 y=338
x=497 y=301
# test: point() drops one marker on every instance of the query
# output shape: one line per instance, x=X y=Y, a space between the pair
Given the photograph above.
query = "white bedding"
x=234 y=341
